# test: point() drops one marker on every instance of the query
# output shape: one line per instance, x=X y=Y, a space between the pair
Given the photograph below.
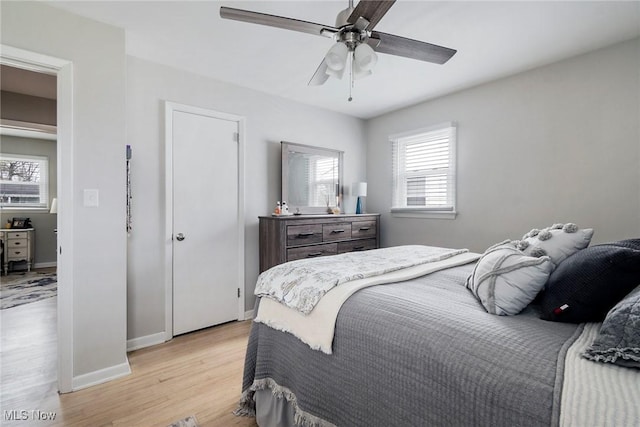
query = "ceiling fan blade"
x=277 y=21
x=401 y=46
x=320 y=76
x=371 y=10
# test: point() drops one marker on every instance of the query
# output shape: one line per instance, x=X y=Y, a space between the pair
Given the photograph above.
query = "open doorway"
x=62 y=70
x=28 y=239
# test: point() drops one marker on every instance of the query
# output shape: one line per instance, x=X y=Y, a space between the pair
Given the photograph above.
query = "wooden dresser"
x=19 y=245
x=287 y=238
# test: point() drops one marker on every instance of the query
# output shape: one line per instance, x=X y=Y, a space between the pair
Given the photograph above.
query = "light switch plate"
x=90 y=198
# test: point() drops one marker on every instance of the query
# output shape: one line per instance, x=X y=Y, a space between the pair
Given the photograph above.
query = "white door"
x=205 y=221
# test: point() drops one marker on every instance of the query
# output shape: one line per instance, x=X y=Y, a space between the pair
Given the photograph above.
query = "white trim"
x=64 y=70
x=415 y=213
x=248 y=315
x=168 y=222
x=241 y=256
x=28 y=130
x=101 y=376
x=45 y=264
x=439 y=126
x=170 y=107
x=146 y=341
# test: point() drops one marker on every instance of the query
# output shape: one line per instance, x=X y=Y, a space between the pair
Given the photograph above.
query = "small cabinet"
x=288 y=238
x=19 y=245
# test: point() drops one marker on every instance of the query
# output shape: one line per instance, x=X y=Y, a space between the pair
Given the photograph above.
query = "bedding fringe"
x=246 y=406
x=613 y=354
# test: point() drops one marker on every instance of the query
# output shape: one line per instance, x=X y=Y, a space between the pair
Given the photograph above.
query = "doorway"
x=62 y=69
x=204 y=218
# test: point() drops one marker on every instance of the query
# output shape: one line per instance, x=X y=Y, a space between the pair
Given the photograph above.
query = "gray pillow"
x=619 y=338
x=558 y=241
x=505 y=280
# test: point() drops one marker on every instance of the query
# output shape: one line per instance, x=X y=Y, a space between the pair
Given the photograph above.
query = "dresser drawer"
x=13 y=253
x=312 y=251
x=16 y=243
x=16 y=234
x=333 y=232
x=357 y=245
x=363 y=229
x=304 y=234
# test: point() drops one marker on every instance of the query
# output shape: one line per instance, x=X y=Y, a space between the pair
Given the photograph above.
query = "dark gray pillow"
x=619 y=338
x=586 y=285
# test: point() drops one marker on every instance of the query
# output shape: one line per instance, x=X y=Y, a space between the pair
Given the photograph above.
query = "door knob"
x=180 y=237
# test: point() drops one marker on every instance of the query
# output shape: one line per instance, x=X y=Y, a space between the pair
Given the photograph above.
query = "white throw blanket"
x=317 y=328
x=301 y=284
x=597 y=394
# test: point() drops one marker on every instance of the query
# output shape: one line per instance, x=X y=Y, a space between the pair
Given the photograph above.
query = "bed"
x=424 y=351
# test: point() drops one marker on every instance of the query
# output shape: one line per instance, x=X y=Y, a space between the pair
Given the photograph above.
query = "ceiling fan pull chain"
x=350 y=76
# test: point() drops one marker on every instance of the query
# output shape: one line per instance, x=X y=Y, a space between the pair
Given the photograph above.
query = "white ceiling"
x=493 y=39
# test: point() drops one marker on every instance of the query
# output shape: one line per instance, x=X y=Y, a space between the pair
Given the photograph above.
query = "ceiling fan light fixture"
x=335 y=73
x=359 y=73
x=336 y=58
x=364 y=57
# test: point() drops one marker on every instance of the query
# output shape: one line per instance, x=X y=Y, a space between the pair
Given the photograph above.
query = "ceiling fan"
x=356 y=42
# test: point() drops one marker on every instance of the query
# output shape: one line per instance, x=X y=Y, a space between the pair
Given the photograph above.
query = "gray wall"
x=43 y=222
x=27 y=108
x=269 y=120
x=559 y=143
x=98 y=255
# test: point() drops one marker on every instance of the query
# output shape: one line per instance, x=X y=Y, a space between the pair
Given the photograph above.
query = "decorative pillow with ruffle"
x=618 y=341
x=557 y=242
x=505 y=280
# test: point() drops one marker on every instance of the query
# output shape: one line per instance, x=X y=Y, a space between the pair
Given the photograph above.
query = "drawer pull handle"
x=16 y=243
x=314 y=254
x=337 y=231
x=358 y=248
x=364 y=228
x=18 y=252
x=305 y=234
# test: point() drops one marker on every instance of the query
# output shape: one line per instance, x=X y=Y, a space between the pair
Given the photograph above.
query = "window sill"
x=417 y=213
x=24 y=209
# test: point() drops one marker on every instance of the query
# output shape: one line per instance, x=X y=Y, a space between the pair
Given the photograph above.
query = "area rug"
x=190 y=421
x=23 y=288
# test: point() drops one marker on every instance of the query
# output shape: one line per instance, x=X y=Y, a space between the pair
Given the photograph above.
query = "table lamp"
x=360 y=190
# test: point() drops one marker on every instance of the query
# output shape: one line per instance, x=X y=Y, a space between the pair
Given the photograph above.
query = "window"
x=424 y=172
x=24 y=181
x=323 y=179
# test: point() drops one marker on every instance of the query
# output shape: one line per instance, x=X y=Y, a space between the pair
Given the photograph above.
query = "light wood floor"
x=195 y=374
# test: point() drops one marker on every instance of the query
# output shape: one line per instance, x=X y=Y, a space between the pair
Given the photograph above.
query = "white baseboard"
x=100 y=376
x=248 y=315
x=45 y=264
x=146 y=341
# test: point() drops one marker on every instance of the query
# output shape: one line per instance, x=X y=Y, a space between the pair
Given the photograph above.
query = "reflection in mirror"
x=311 y=178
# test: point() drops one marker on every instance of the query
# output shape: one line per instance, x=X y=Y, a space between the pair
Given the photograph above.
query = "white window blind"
x=24 y=181
x=324 y=175
x=424 y=169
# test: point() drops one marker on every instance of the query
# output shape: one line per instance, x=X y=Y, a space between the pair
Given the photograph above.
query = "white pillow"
x=558 y=241
x=505 y=280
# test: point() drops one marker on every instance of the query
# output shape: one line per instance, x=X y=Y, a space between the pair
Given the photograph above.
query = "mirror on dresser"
x=311 y=178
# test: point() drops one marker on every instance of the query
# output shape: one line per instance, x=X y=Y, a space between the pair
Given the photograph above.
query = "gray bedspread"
x=417 y=353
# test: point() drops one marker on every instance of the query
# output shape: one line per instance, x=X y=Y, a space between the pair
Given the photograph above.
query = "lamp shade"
x=335 y=73
x=364 y=57
x=336 y=58
x=359 y=73
x=360 y=189
x=54 y=206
